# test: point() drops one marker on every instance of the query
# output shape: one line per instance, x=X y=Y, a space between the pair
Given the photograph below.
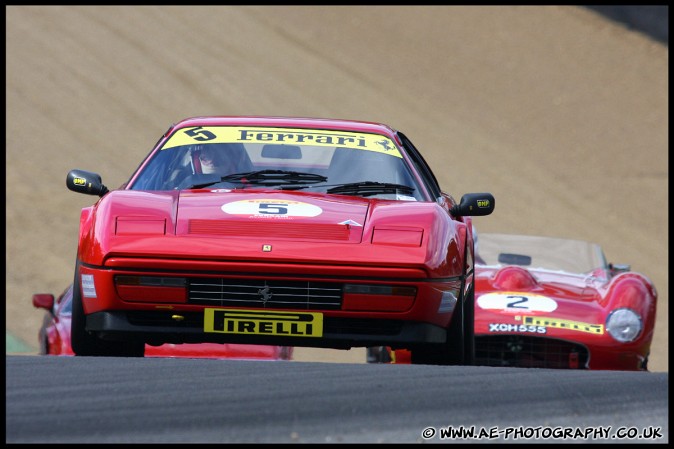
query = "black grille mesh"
x=529 y=352
x=257 y=293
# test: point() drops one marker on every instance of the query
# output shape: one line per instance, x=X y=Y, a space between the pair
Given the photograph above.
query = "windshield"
x=573 y=256
x=66 y=303
x=310 y=160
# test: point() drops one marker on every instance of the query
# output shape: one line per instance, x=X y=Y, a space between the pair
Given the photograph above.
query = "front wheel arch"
x=459 y=349
x=85 y=343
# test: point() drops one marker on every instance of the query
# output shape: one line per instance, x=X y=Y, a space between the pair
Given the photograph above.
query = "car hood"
x=271 y=213
x=288 y=226
x=511 y=296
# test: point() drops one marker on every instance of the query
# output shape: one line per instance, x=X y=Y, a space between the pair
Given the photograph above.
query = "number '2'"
x=522 y=299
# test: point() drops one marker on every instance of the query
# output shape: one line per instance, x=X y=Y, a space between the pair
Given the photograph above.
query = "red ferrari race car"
x=546 y=302
x=54 y=337
x=276 y=231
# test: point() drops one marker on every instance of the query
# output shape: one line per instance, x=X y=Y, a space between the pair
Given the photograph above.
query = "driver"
x=223 y=161
x=211 y=160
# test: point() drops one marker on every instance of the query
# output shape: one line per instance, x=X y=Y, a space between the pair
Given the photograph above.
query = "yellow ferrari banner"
x=281 y=136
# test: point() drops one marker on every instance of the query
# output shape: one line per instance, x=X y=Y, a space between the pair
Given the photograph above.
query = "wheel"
x=85 y=343
x=459 y=349
x=81 y=341
x=378 y=354
x=469 y=329
x=44 y=346
x=42 y=334
x=644 y=365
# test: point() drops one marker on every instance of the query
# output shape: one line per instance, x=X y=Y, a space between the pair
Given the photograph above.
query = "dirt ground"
x=560 y=113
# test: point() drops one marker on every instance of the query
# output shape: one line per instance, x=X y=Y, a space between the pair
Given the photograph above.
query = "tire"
x=469 y=329
x=43 y=335
x=644 y=365
x=459 y=349
x=81 y=341
x=44 y=346
x=85 y=343
x=378 y=354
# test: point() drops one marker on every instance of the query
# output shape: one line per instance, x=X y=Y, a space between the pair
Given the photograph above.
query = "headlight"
x=397 y=236
x=378 y=298
x=624 y=325
x=151 y=288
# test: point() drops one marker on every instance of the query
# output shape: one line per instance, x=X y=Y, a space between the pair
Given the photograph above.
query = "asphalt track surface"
x=122 y=400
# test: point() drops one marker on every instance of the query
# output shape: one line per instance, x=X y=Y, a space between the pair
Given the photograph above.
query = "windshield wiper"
x=200 y=185
x=274 y=177
x=266 y=177
x=368 y=188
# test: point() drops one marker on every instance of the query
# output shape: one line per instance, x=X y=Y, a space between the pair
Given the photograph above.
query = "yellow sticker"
x=565 y=324
x=287 y=136
x=263 y=322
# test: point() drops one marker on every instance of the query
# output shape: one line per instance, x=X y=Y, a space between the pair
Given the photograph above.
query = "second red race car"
x=544 y=302
x=277 y=231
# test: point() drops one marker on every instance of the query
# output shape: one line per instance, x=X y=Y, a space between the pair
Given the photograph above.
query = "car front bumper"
x=159 y=327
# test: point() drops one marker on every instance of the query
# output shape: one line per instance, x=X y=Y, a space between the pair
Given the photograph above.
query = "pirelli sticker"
x=262 y=322
x=288 y=136
x=564 y=324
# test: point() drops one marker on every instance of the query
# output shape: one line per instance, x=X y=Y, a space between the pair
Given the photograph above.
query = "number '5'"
x=273 y=208
x=200 y=134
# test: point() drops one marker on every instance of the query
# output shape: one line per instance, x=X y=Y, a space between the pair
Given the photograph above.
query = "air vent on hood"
x=319 y=231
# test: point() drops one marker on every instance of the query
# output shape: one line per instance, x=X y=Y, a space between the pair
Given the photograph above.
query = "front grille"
x=529 y=352
x=261 y=294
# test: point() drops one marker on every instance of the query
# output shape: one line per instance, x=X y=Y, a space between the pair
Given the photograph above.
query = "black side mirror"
x=89 y=183
x=474 y=204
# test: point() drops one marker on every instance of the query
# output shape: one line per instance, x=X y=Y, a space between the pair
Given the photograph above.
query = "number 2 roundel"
x=271 y=207
x=516 y=302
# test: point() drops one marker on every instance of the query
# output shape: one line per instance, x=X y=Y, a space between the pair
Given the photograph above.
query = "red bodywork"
x=418 y=252
x=573 y=335
x=234 y=246
x=554 y=313
x=54 y=337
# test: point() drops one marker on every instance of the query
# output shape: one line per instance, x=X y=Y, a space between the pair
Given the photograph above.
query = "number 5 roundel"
x=272 y=207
